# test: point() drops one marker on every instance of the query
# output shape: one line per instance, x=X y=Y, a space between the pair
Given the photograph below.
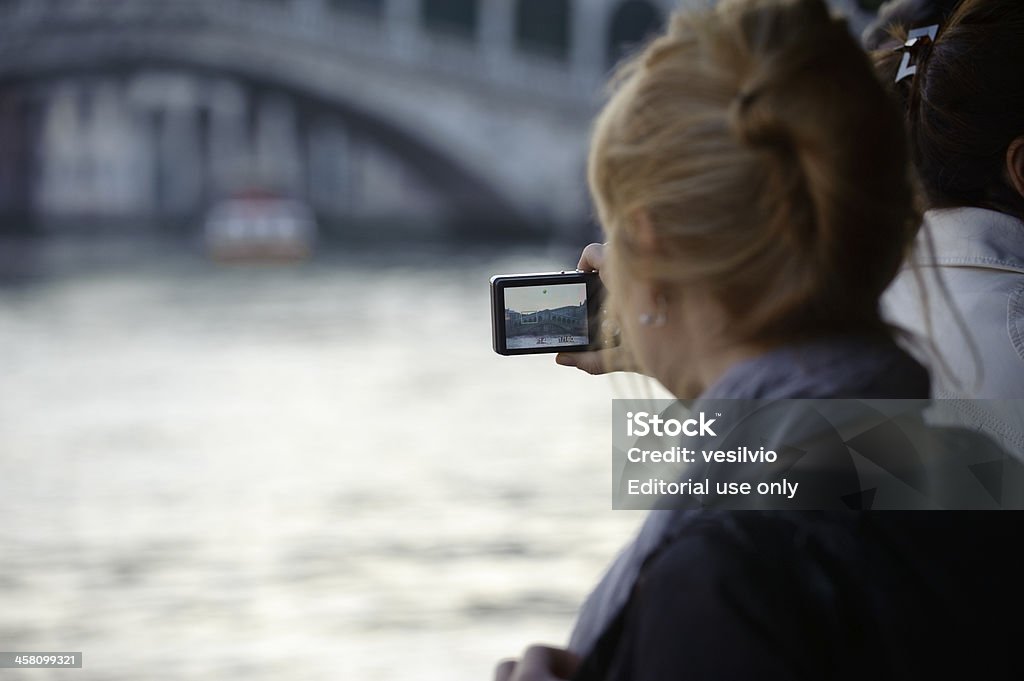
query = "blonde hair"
x=770 y=164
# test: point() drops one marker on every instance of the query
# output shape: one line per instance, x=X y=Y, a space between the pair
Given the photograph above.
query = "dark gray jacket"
x=803 y=595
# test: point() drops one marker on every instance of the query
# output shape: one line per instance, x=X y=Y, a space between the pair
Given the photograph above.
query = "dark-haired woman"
x=962 y=294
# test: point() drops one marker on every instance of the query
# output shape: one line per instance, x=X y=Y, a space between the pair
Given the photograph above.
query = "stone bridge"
x=571 y=320
x=476 y=110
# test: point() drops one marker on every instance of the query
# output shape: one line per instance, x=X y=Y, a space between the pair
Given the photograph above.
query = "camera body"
x=548 y=312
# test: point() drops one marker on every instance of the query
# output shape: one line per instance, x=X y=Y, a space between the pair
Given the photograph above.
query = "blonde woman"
x=751 y=175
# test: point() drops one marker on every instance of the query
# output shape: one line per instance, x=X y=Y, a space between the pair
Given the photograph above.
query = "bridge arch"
x=490 y=106
x=471 y=199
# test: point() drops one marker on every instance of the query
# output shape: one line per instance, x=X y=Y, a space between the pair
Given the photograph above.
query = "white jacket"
x=977 y=256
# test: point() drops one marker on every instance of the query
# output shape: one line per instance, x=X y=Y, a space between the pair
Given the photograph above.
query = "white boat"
x=259 y=227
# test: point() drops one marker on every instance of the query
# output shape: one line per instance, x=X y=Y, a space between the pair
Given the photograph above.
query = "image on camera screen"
x=546 y=316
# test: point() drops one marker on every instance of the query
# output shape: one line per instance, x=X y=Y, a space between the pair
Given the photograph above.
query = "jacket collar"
x=843 y=367
x=971 y=237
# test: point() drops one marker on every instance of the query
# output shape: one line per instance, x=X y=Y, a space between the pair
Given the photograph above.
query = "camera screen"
x=546 y=316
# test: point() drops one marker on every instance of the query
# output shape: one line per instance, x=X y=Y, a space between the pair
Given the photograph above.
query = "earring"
x=659 y=317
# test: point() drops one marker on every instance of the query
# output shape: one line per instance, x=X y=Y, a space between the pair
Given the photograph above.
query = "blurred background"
x=250 y=421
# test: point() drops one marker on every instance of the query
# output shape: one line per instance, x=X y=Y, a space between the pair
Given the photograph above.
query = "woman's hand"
x=539 y=663
x=596 y=362
x=592 y=258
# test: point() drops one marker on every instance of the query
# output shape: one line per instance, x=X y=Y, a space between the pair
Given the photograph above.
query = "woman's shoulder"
x=762 y=568
x=973 y=335
x=756 y=546
x=758 y=561
x=742 y=595
x=810 y=594
x=703 y=603
x=968 y=274
x=832 y=367
x=1015 y=317
x=972 y=237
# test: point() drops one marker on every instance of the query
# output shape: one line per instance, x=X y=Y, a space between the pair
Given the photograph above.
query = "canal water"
x=306 y=472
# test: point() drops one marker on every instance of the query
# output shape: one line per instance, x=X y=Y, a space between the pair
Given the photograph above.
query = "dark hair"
x=906 y=13
x=965 y=104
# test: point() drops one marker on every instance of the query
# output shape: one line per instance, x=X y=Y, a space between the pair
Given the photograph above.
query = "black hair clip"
x=916 y=38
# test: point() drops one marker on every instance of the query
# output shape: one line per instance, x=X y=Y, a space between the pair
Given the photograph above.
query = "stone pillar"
x=278 y=161
x=63 y=154
x=496 y=29
x=181 y=157
x=589 y=40
x=10 y=136
x=309 y=13
x=329 y=168
x=228 y=141
x=403 y=25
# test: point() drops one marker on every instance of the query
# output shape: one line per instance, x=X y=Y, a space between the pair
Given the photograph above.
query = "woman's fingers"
x=592 y=258
x=597 y=362
x=539 y=663
x=505 y=670
x=549 y=663
x=590 y=362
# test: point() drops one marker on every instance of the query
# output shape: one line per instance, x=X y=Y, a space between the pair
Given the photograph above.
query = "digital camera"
x=549 y=312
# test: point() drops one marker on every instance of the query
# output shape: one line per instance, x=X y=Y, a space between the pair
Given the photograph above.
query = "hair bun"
x=769 y=162
x=791 y=51
x=755 y=122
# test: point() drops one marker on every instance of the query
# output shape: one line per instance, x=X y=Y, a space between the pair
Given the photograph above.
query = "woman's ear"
x=1015 y=164
x=643 y=231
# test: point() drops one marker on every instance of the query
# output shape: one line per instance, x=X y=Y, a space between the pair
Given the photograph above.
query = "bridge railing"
x=336 y=33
